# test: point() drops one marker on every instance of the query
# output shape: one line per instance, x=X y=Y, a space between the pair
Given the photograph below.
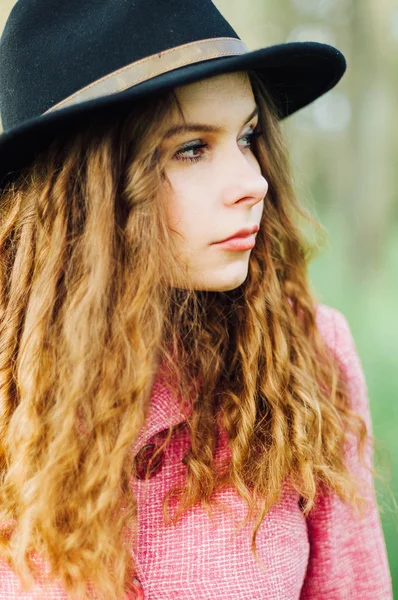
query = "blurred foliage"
x=344 y=152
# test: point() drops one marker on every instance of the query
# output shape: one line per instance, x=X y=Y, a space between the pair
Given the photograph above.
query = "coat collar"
x=164 y=411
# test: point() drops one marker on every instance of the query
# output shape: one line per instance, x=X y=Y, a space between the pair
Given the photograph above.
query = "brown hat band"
x=155 y=65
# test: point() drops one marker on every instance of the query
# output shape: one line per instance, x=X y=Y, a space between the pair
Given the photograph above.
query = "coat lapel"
x=164 y=412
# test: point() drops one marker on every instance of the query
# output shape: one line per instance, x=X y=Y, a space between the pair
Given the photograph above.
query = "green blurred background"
x=344 y=153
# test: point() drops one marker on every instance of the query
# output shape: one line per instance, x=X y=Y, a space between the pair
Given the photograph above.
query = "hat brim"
x=295 y=74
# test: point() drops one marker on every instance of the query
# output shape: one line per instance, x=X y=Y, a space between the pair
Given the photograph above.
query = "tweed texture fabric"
x=331 y=555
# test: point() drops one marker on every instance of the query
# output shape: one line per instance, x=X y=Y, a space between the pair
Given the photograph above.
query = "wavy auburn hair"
x=86 y=307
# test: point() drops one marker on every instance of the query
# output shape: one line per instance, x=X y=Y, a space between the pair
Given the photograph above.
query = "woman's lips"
x=238 y=243
x=242 y=233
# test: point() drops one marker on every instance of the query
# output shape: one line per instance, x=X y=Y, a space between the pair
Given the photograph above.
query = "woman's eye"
x=250 y=137
x=192 y=152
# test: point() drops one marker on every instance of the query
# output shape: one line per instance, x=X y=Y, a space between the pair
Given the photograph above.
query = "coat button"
x=147 y=463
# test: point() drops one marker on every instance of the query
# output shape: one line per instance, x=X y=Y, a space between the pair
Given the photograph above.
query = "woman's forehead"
x=227 y=93
x=218 y=84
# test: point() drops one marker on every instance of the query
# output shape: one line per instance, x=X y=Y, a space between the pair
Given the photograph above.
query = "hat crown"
x=48 y=53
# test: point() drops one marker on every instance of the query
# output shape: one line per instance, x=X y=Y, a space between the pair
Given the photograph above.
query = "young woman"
x=179 y=418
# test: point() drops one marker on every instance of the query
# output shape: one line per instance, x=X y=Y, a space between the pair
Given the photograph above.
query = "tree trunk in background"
x=372 y=137
x=5 y=9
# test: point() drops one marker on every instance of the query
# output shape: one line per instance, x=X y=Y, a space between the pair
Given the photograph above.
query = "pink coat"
x=330 y=556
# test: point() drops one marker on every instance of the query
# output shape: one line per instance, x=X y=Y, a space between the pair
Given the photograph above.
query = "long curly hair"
x=86 y=305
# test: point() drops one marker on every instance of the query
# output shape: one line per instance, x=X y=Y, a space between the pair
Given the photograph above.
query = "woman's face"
x=216 y=184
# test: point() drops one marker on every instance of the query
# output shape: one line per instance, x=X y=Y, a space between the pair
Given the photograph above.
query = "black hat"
x=62 y=60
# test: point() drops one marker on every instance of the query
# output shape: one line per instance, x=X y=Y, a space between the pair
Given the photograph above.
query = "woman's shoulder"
x=335 y=330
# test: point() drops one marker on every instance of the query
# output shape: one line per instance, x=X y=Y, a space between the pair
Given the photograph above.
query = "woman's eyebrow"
x=188 y=127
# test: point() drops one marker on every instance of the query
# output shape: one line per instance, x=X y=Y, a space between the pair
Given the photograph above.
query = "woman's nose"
x=244 y=180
